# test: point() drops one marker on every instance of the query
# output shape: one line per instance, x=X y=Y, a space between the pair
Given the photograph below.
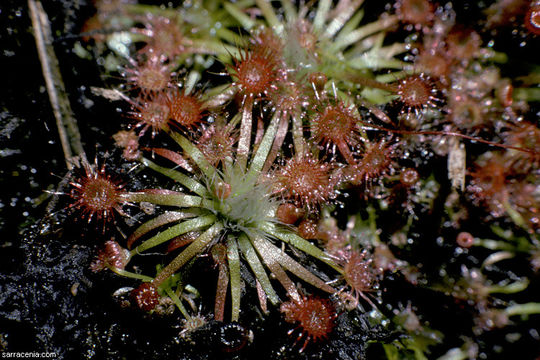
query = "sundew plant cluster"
x=318 y=157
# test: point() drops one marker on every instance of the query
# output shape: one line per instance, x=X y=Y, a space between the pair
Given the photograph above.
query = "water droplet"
x=442 y=272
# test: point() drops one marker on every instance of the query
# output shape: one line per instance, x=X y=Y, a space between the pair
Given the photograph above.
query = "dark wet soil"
x=51 y=301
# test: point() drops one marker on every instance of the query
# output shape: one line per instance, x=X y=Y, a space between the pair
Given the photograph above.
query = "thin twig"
x=68 y=130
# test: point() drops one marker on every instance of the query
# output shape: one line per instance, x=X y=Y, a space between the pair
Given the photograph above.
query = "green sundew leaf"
x=363 y=32
x=523 y=309
x=394 y=76
x=390 y=51
x=293 y=266
x=221 y=288
x=514 y=215
x=350 y=26
x=163 y=197
x=178 y=303
x=174 y=231
x=270 y=16
x=218 y=96
x=194 y=153
x=496 y=257
x=234 y=271
x=229 y=36
x=259 y=159
x=173 y=282
x=212 y=47
x=495 y=56
x=391 y=352
x=244 y=141
x=166 y=218
x=416 y=345
x=322 y=13
x=279 y=138
x=511 y=288
x=376 y=41
x=299 y=243
x=130 y=274
x=177 y=176
x=368 y=61
x=191 y=251
x=244 y=20
x=290 y=11
x=244 y=4
x=377 y=96
x=341 y=19
x=257 y=268
x=506 y=234
x=419 y=355
x=269 y=258
x=494 y=244
x=191 y=80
